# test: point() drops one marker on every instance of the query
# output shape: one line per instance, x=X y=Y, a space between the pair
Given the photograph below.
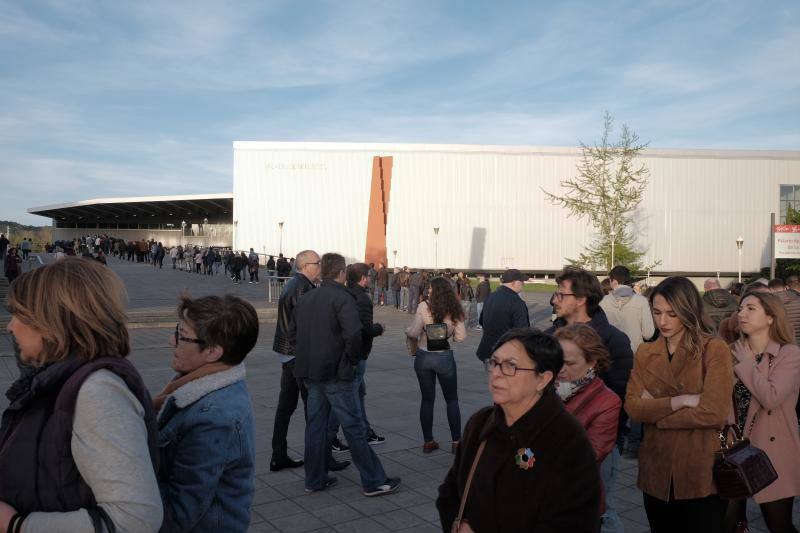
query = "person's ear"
x=213 y=354
x=544 y=380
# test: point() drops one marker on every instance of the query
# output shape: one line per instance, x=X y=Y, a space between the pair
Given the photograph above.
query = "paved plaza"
x=392 y=402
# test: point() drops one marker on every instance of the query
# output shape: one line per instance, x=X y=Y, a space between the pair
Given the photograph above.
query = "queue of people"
x=543 y=457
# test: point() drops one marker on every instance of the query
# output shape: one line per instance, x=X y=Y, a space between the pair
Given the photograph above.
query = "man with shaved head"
x=308 y=274
x=718 y=303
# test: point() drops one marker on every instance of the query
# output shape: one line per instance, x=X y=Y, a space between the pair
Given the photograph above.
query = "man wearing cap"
x=503 y=310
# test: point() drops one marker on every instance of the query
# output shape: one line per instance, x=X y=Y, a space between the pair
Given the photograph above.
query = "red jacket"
x=597 y=408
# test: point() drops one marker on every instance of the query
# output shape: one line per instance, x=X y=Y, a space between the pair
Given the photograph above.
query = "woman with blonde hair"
x=680 y=388
x=78 y=442
x=585 y=396
x=767 y=368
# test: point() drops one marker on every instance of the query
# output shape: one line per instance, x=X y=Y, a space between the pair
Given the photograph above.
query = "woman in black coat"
x=537 y=471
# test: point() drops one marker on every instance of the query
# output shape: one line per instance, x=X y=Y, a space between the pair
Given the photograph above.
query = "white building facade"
x=490 y=209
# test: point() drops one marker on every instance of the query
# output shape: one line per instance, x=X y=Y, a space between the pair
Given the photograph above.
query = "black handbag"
x=741 y=469
x=437 y=337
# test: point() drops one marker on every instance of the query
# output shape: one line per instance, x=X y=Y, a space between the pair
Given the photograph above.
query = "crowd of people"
x=657 y=374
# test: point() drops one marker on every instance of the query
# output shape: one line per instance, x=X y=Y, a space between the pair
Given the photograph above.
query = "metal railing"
x=274 y=287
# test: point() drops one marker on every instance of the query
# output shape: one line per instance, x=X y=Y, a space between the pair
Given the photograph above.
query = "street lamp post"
x=613 y=238
x=205 y=235
x=739 y=244
x=183 y=231
x=395 y=258
x=280 y=227
x=436 y=248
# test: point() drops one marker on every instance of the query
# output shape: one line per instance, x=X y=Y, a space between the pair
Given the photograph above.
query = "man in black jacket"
x=328 y=347
x=357 y=282
x=291 y=388
x=577 y=301
x=502 y=311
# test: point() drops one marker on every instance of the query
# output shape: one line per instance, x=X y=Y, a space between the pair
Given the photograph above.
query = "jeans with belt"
x=429 y=367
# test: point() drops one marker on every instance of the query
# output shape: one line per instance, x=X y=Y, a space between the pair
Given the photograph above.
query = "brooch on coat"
x=524 y=458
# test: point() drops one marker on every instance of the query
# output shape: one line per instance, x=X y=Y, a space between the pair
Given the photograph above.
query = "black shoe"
x=373 y=438
x=338 y=446
x=330 y=482
x=283 y=462
x=335 y=466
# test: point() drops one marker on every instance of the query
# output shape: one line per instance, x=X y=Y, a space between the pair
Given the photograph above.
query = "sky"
x=103 y=99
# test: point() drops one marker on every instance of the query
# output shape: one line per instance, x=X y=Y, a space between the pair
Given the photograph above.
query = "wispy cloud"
x=145 y=97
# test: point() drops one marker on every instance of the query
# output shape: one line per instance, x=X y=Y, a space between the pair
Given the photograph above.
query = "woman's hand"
x=684 y=400
x=743 y=353
x=6 y=512
x=464 y=528
x=646 y=395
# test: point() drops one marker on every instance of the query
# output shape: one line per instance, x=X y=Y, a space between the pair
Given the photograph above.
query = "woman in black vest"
x=80 y=428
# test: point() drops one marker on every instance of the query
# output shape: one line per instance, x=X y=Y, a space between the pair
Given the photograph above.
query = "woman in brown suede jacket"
x=680 y=388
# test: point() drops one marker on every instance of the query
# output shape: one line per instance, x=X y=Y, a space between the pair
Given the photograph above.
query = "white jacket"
x=629 y=312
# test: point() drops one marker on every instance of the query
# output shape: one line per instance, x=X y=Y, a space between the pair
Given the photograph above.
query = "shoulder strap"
x=457 y=523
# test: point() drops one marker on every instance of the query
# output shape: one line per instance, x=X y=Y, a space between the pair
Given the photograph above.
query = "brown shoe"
x=428 y=447
x=454 y=447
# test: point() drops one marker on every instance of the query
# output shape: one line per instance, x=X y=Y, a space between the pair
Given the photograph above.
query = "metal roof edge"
x=131 y=199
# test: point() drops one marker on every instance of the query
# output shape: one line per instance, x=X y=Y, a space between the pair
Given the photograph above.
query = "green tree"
x=607 y=190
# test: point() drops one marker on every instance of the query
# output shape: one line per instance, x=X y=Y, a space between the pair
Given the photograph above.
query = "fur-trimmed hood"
x=195 y=390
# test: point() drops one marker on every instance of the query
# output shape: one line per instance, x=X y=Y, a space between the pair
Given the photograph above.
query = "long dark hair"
x=686 y=303
x=442 y=301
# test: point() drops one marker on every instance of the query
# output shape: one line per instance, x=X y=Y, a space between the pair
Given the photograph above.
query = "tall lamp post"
x=739 y=244
x=183 y=231
x=395 y=258
x=613 y=238
x=436 y=248
x=205 y=235
x=280 y=228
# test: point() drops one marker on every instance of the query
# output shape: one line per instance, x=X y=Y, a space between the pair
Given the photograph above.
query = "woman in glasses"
x=767 y=368
x=78 y=441
x=534 y=468
x=442 y=313
x=205 y=419
x=680 y=388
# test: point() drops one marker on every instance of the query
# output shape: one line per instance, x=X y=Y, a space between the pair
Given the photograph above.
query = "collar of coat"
x=596 y=321
x=332 y=283
x=194 y=390
x=530 y=424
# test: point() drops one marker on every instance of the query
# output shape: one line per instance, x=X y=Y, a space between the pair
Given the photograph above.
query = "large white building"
x=368 y=201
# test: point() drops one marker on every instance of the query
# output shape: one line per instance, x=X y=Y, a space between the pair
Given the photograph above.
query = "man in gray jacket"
x=626 y=310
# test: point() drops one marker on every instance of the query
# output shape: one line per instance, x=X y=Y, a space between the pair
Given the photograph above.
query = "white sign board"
x=787 y=241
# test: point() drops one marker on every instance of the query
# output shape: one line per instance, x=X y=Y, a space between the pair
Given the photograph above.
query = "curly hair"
x=590 y=343
x=442 y=301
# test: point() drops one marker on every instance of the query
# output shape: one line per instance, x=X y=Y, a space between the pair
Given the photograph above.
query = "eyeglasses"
x=178 y=337
x=560 y=295
x=508 y=368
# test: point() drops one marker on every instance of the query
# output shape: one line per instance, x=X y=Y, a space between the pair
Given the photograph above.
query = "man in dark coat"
x=283 y=267
x=283 y=346
x=328 y=346
x=357 y=282
x=577 y=301
x=502 y=311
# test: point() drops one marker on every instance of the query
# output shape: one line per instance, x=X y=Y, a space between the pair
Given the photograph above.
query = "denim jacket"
x=206 y=438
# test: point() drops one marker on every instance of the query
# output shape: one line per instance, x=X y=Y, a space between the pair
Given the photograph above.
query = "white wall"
x=489 y=206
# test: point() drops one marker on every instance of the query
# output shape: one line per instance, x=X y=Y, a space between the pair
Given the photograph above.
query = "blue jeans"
x=337 y=396
x=404 y=298
x=611 y=522
x=429 y=366
x=378 y=292
x=360 y=390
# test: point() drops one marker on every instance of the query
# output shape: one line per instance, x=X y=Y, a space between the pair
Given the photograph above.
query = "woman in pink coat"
x=767 y=368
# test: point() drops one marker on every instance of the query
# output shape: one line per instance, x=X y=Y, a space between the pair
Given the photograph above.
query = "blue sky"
x=138 y=98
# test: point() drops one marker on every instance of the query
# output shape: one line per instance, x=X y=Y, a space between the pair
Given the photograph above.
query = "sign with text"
x=787 y=241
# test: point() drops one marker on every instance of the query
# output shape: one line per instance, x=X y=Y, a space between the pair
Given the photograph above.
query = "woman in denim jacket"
x=205 y=418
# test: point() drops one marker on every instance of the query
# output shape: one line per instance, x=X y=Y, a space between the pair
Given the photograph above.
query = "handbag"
x=457 y=521
x=740 y=469
x=437 y=337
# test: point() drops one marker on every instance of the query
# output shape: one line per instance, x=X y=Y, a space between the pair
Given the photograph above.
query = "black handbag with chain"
x=741 y=469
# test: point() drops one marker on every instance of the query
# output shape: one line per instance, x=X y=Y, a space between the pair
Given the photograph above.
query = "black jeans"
x=697 y=515
x=291 y=388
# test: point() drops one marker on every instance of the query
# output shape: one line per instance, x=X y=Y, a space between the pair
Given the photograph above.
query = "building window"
x=790 y=204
